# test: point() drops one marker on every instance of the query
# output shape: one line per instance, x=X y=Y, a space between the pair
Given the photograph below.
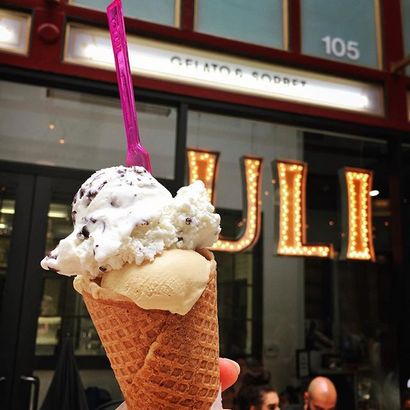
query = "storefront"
x=308 y=83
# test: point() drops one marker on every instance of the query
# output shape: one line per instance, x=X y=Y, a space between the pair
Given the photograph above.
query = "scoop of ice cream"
x=174 y=281
x=123 y=215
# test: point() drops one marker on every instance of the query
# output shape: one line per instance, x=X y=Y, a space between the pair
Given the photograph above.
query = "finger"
x=229 y=372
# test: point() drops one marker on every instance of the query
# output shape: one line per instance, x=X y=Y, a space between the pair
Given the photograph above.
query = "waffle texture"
x=162 y=361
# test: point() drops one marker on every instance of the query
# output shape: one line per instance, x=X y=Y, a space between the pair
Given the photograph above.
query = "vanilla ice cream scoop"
x=123 y=215
x=173 y=281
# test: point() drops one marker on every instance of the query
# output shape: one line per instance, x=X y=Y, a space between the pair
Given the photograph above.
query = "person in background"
x=254 y=397
x=320 y=395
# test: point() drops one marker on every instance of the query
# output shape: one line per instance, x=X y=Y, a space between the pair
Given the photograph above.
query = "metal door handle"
x=33 y=380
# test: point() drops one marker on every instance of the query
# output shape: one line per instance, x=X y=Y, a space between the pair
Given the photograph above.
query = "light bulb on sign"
x=357 y=213
x=252 y=181
x=292 y=211
x=203 y=165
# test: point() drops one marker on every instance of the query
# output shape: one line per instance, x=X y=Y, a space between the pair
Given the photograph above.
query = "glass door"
x=38 y=308
x=16 y=195
x=52 y=310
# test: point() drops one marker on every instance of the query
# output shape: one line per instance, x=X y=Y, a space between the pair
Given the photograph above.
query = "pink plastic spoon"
x=136 y=153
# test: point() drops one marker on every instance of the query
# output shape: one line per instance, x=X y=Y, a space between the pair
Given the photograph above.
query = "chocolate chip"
x=73 y=214
x=51 y=256
x=143 y=222
x=92 y=193
x=84 y=233
x=115 y=203
x=102 y=269
x=82 y=192
x=93 y=220
x=188 y=221
x=180 y=238
x=102 y=186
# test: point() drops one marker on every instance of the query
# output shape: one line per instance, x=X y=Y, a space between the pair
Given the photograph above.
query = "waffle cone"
x=161 y=360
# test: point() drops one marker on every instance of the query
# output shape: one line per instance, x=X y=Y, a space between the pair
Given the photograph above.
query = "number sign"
x=345 y=31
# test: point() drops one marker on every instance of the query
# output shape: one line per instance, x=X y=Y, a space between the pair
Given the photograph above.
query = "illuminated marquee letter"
x=203 y=165
x=357 y=214
x=252 y=178
x=292 y=212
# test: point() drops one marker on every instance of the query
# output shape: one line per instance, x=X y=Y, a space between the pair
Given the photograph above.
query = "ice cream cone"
x=161 y=360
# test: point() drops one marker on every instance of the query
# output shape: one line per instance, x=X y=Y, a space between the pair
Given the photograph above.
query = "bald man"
x=321 y=395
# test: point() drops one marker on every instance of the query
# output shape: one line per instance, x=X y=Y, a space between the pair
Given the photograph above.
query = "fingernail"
x=238 y=368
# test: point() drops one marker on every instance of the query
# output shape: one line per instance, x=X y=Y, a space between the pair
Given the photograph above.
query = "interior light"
x=7 y=211
x=374 y=192
x=51 y=214
x=101 y=53
x=6 y=35
x=14 y=31
x=57 y=214
x=61 y=141
x=51 y=126
x=3 y=226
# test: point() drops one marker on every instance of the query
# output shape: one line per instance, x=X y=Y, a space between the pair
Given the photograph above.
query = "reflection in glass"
x=79 y=130
x=49 y=321
x=235 y=298
x=157 y=11
x=62 y=309
x=259 y=22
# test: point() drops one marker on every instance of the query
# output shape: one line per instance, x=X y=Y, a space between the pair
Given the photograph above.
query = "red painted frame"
x=46 y=57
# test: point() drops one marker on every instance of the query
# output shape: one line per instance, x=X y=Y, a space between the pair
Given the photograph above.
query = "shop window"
x=241 y=277
x=342 y=312
x=347 y=31
x=349 y=309
x=405 y=12
x=78 y=130
x=164 y=12
x=238 y=295
x=260 y=22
